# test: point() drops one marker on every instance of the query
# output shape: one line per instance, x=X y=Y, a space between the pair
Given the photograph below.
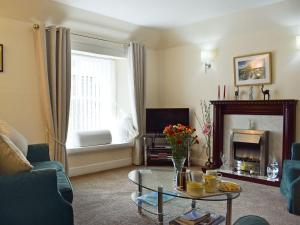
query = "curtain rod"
x=36 y=26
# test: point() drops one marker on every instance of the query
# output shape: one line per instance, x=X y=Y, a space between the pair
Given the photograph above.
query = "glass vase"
x=178 y=163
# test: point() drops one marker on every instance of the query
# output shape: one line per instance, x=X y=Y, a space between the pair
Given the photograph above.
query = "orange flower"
x=180 y=134
x=171 y=133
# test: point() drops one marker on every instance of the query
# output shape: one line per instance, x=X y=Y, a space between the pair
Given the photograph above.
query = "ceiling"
x=165 y=13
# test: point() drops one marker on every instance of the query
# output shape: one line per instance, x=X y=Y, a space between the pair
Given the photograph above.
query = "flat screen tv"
x=158 y=118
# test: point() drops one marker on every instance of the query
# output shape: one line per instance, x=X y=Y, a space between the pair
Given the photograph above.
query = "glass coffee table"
x=161 y=181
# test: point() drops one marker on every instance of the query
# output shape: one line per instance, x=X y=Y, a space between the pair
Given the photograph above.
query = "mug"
x=214 y=173
x=211 y=183
x=195 y=188
x=195 y=184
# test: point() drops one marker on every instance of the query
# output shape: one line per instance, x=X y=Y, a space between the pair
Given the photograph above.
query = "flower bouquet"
x=180 y=137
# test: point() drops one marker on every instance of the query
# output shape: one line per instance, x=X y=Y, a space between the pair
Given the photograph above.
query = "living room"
x=182 y=55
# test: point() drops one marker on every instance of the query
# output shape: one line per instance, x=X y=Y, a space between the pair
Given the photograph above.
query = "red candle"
x=219 y=92
x=224 y=94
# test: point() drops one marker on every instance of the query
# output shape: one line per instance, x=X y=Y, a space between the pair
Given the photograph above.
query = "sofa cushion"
x=38 y=153
x=12 y=159
x=91 y=138
x=64 y=186
x=48 y=165
x=15 y=136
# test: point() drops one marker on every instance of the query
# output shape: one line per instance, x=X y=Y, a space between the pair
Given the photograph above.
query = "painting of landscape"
x=252 y=70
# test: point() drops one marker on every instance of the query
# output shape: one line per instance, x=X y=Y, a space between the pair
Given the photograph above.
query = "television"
x=158 y=118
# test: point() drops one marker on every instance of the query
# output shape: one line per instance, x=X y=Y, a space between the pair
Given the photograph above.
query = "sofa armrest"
x=38 y=153
x=295 y=188
x=293 y=173
x=296 y=151
x=294 y=201
x=33 y=198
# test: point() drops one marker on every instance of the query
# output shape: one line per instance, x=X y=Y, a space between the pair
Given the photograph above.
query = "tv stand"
x=158 y=152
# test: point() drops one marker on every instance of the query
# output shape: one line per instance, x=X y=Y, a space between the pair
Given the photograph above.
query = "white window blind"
x=93 y=93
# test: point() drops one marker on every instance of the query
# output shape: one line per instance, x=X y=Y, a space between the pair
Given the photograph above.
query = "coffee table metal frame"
x=160 y=213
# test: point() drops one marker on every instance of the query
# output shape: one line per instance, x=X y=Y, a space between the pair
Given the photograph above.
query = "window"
x=100 y=96
x=93 y=93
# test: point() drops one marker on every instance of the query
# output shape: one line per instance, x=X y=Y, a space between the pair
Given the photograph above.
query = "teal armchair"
x=290 y=182
x=251 y=220
x=42 y=196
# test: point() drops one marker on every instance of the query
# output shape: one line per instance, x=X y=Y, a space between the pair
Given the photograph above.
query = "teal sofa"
x=42 y=196
x=290 y=182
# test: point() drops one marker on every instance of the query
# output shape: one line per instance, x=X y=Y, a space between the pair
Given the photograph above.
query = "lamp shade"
x=298 y=42
x=207 y=55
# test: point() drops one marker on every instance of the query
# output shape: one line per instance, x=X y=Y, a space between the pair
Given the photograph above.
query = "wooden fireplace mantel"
x=283 y=107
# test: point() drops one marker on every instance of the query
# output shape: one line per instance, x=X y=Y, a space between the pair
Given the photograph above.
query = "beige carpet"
x=104 y=198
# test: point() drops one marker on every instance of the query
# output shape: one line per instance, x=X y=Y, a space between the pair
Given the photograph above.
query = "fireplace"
x=249 y=151
x=283 y=107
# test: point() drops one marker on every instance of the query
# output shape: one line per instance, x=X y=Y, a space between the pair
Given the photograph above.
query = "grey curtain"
x=136 y=55
x=58 y=53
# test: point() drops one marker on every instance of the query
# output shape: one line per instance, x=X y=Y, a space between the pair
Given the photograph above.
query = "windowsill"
x=96 y=148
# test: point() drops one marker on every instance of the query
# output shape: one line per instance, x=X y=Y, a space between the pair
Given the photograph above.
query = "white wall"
x=19 y=83
x=272 y=28
x=152 y=80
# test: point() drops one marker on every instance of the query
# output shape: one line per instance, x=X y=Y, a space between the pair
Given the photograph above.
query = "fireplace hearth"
x=249 y=151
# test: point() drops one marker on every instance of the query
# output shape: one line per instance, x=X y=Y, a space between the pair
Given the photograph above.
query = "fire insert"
x=249 y=151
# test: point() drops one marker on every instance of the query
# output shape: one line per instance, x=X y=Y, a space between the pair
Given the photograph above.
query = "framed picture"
x=253 y=69
x=1 y=58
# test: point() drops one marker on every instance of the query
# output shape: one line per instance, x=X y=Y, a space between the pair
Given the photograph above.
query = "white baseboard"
x=97 y=167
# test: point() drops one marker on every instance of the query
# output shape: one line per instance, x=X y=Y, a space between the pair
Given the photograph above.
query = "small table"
x=161 y=181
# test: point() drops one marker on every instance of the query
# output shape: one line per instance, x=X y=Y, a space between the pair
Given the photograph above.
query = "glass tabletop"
x=151 y=179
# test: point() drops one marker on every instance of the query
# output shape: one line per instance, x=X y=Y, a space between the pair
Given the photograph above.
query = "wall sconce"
x=206 y=57
x=298 y=42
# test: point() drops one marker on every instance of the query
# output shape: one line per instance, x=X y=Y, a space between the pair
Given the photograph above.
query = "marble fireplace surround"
x=283 y=110
x=270 y=123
